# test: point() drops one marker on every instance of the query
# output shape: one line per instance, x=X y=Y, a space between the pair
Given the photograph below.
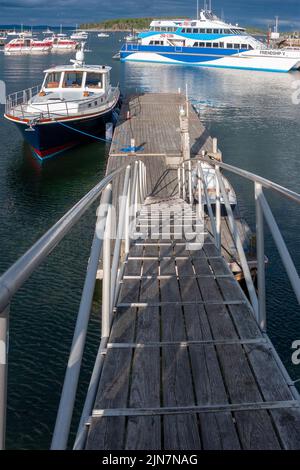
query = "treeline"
x=127 y=24
x=121 y=24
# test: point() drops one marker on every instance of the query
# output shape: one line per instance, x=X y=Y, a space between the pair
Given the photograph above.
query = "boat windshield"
x=53 y=80
x=94 y=80
x=72 y=79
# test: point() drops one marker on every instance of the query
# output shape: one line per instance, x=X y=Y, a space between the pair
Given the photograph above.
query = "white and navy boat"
x=207 y=41
x=72 y=106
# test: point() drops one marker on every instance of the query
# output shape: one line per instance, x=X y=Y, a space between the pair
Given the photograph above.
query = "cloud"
x=75 y=11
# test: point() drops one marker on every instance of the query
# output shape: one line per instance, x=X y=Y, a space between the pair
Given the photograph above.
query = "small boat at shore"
x=79 y=35
x=72 y=106
x=209 y=174
x=103 y=35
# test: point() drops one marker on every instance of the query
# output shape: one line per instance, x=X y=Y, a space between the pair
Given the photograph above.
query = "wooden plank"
x=255 y=428
x=129 y=291
x=180 y=432
x=144 y=432
x=109 y=432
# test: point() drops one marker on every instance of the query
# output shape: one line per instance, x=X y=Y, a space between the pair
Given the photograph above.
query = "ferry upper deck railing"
x=133 y=193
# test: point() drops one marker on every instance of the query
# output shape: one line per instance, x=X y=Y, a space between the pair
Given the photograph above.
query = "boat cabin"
x=96 y=79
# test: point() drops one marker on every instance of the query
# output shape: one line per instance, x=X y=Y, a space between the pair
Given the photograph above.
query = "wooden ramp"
x=187 y=366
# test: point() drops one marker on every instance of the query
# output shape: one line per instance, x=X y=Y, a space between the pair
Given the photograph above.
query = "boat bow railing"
x=20 y=98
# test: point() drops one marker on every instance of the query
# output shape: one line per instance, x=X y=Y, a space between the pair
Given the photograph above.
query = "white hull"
x=251 y=60
x=27 y=50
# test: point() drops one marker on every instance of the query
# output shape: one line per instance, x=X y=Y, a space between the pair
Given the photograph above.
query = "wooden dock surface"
x=187 y=366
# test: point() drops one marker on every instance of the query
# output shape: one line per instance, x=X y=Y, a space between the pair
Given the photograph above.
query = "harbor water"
x=257 y=125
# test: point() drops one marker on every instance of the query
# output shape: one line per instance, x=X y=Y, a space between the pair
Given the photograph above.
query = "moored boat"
x=79 y=35
x=60 y=42
x=72 y=106
x=209 y=42
x=27 y=45
x=103 y=35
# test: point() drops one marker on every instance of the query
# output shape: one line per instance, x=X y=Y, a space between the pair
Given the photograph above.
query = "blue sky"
x=247 y=12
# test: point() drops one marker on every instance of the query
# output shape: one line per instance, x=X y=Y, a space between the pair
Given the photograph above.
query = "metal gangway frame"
x=133 y=195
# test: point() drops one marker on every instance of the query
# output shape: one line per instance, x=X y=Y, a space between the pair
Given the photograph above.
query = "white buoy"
x=109 y=131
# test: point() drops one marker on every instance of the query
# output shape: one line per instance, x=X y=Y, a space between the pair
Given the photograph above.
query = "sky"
x=69 y=12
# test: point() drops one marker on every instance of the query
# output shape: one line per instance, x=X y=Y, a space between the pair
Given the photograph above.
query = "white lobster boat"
x=72 y=106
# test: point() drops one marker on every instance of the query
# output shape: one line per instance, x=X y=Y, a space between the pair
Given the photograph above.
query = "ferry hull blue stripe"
x=206 y=64
x=130 y=48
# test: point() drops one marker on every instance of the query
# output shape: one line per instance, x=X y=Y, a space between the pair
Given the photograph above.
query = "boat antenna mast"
x=79 y=58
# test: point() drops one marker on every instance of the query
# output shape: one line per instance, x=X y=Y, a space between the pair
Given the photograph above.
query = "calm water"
x=258 y=129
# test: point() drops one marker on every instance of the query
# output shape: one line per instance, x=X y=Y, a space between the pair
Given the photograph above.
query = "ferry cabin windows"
x=52 y=80
x=156 y=43
x=222 y=45
x=94 y=80
x=208 y=31
x=72 y=79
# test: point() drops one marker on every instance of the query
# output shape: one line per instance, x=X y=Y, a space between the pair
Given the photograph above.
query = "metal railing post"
x=179 y=181
x=208 y=203
x=239 y=246
x=4 y=329
x=218 y=211
x=260 y=253
x=281 y=247
x=199 y=187
x=120 y=233
x=190 y=182
x=133 y=196
x=127 y=215
x=106 y=304
x=66 y=405
x=183 y=183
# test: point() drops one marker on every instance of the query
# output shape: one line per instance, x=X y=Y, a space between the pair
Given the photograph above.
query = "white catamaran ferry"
x=207 y=41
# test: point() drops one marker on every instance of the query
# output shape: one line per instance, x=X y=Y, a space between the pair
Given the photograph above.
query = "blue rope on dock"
x=125 y=150
x=85 y=133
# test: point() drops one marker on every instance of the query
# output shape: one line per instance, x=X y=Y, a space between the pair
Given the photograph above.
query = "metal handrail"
x=13 y=279
x=263 y=212
x=20 y=271
x=250 y=176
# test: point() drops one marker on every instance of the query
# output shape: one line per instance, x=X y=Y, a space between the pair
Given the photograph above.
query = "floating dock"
x=186 y=364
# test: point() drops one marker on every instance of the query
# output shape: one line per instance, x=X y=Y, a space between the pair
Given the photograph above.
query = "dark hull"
x=48 y=140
